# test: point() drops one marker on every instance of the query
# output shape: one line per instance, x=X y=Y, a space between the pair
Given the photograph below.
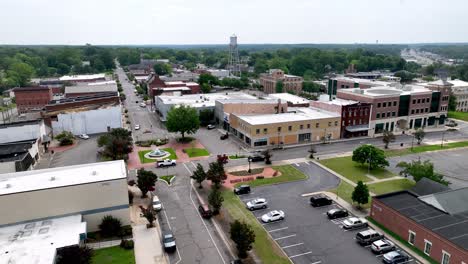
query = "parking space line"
x=279 y=229
x=279 y=238
x=298 y=244
x=317 y=262
x=302 y=254
x=297 y=164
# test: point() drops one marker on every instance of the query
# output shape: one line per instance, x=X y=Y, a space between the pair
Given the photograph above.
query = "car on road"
x=210 y=126
x=142 y=105
x=337 y=213
x=205 y=211
x=365 y=238
x=256 y=158
x=393 y=257
x=165 y=163
x=259 y=203
x=224 y=136
x=274 y=215
x=157 y=206
x=169 y=242
x=243 y=189
x=382 y=246
x=320 y=200
x=137 y=127
x=83 y=136
x=354 y=222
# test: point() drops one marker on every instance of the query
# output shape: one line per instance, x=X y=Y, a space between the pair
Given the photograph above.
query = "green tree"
x=199 y=175
x=208 y=79
x=110 y=226
x=183 y=119
x=215 y=199
x=421 y=169
x=279 y=87
x=150 y=216
x=360 y=194
x=405 y=76
x=371 y=155
x=206 y=116
x=216 y=174
x=65 y=138
x=243 y=235
x=452 y=105
x=387 y=138
x=205 y=88
x=116 y=144
x=146 y=180
x=162 y=68
x=267 y=154
x=419 y=135
x=74 y=255
x=20 y=73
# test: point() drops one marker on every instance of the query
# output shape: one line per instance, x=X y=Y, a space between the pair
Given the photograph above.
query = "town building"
x=403 y=109
x=433 y=221
x=460 y=91
x=342 y=82
x=31 y=99
x=218 y=73
x=83 y=78
x=18 y=156
x=23 y=131
x=89 y=190
x=91 y=89
x=89 y=114
x=355 y=116
x=300 y=125
x=291 y=99
x=156 y=86
x=291 y=83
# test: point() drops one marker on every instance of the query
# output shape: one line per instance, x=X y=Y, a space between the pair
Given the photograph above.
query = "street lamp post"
x=249 y=160
x=442 y=142
x=412 y=142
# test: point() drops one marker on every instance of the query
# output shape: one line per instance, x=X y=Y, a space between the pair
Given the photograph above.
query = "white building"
x=21 y=131
x=460 y=91
x=293 y=100
x=219 y=73
x=90 y=190
x=83 y=78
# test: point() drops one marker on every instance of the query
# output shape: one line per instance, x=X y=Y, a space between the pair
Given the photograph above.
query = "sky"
x=160 y=22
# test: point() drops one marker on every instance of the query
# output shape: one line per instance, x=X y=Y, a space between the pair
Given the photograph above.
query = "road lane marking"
x=317 y=262
x=279 y=229
x=187 y=168
x=296 y=164
x=298 y=244
x=167 y=219
x=302 y=254
x=279 y=238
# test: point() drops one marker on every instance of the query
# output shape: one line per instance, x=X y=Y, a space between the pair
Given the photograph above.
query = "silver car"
x=382 y=246
x=259 y=203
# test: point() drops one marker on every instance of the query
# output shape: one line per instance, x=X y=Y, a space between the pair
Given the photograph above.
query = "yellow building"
x=299 y=126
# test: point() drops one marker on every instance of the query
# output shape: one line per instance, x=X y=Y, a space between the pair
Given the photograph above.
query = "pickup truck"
x=165 y=163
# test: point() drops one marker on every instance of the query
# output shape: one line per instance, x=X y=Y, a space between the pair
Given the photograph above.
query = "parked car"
x=210 y=126
x=274 y=215
x=393 y=257
x=320 y=200
x=205 y=211
x=142 y=105
x=258 y=203
x=243 y=189
x=169 y=242
x=354 y=222
x=157 y=206
x=83 y=136
x=382 y=246
x=165 y=163
x=367 y=237
x=256 y=158
x=337 y=213
x=225 y=136
x=137 y=127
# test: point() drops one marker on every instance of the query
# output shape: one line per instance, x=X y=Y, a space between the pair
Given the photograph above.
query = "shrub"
x=260 y=177
x=126 y=244
x=65 y=138
x=110 y=226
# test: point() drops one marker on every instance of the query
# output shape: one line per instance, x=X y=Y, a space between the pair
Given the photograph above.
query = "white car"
x=137 y=127
x=83 y=136
x=354 y=222
x=142 y=105
x=382 y=246
x=259 y=203
x=157 y=206
x=274 y=215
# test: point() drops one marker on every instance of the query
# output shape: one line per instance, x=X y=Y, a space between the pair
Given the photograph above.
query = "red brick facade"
x=32 y=98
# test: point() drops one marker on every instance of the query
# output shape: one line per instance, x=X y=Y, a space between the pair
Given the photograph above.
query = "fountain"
x=157 y=154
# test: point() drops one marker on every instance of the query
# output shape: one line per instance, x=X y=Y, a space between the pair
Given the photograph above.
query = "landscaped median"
x=196 y=152
x=167 y=178
x=114 y=255
x=287 y=174
x=425 y=148
x=353 y=170
x=458 y=115
x=143 y=159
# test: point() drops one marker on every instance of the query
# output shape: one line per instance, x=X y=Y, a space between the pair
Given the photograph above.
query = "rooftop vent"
x=8 y=185
x=94 y=173
x=52 y=178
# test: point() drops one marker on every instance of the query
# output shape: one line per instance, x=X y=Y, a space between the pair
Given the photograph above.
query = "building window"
x=393 y=113
x=394 y=103
x=279 y=129
x=258 y=131
x=301 y=127
x=427 y=247
x=445 y=257
x=412 y=237
x=317 y=125
x=377 y=116
x=419 y=101
x=336 y=123
x=384 y=104
x=308 y=125
x=289 y=128
x=378 y=105
x=414 y=101
x=412 y=111
x=329 y=124
x=265 y=130
x=417 y=111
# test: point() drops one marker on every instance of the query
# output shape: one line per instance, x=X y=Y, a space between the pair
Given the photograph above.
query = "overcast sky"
x=213 y=21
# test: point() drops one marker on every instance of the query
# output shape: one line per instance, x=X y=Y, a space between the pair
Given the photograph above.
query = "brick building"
x=435 y=223
x=91 y=89
x=291 y=83
x=29 y=99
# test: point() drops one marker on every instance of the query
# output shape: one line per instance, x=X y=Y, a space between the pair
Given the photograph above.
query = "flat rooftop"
x=383 y=91
x=37 y=242
x=428 y=213
x=337 y=101
x=198 y=100
x=364 y=81
x=458 y=83
x=82 y=77
x=290 y=98
x=92 y=88
x=249 y=101
x=33 y=180
x=301 y=114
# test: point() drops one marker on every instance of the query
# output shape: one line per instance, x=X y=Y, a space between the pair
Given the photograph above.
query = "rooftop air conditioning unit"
x=52 y=178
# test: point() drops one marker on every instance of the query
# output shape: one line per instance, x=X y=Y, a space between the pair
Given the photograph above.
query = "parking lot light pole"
x=249 y=166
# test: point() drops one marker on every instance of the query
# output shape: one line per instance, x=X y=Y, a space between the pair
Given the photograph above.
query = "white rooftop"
x=290 y=98
x=458 y=83
x=337 y=101
x=82 y=77
x=199 y=100
x=302 y=114
x=37 y=242
x=92 y=88
x=249 y=101
x=174 y=83
x=184 y=88
x=62 y=176
x=384 y=91
x=102 y=83
x=370 y=81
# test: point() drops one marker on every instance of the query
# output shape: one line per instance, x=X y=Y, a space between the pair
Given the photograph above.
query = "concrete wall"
x=88 y=122
x=92 y=200
x=7 y=167
x=21 y=132
x=247 y=108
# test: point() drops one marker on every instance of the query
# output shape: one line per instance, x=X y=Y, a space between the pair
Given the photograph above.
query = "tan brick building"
x=291 y=83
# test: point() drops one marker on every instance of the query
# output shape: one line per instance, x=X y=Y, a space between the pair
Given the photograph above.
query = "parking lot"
x=306 y=235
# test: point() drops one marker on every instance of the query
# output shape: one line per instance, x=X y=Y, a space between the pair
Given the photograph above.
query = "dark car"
x=205 y=211
x=320 y=200
x=223 y=137
x=169 y=242
x=256 y=158
x=365 y=238
x=394 y=257
x=337 y=213
x=243 y=189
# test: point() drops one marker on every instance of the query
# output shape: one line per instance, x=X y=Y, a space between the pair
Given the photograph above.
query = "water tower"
x=234 y=63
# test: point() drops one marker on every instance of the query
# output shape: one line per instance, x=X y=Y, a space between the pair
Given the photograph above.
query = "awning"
x=357 y=128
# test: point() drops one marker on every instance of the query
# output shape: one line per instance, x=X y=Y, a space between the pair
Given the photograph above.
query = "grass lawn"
x=233 y=157
x=246 y=173
x=166 y=178
x=391 y=186
x=196 y=152
x=458 y=115
x=425 y=148
x=141 y=155
x=114 y=255
x=264 y=247
x=288 y=173
x=354 y=171
x=345 y=190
